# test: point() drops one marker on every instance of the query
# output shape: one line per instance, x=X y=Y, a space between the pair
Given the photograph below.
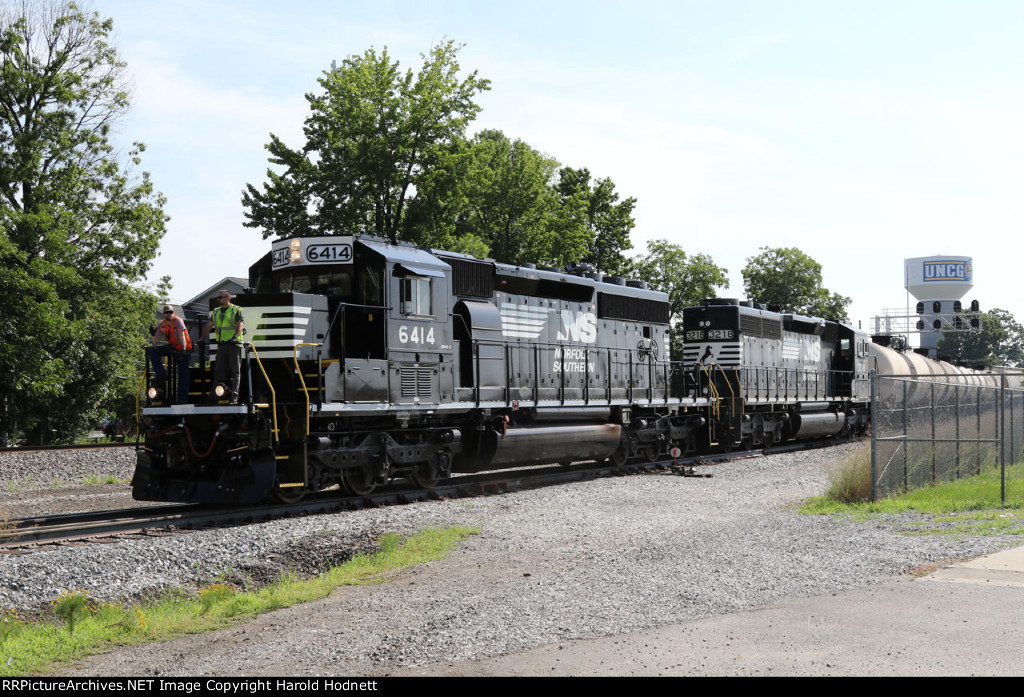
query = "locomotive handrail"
x=712 y=389
x=343 y=306
x=138 y=394
x=581 y=380
x=302 y=380
x=273 y=393
x=732 y=392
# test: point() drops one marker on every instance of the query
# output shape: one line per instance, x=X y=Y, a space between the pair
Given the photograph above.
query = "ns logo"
x=578 y=326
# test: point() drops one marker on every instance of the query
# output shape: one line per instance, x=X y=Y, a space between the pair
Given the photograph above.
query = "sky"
x=861 y=133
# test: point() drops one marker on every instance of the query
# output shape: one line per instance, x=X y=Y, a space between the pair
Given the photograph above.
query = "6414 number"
x=416 y=335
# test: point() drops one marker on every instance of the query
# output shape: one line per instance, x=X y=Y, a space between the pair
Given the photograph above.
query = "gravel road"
x=586 y=560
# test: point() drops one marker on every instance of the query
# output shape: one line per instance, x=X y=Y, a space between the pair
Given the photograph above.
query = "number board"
x=329 y=253
x=280 y=257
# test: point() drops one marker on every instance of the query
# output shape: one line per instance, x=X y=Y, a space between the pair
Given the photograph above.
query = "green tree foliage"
x=519 y=203
x=607 y=220
x=1000 y=342
x=374 y=137
x=789 y=279
x=77 y=226
x=686 y=279
x=508 y=202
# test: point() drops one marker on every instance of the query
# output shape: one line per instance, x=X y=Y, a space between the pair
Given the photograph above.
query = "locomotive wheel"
x=291 y=495
x=357 y=482
x=651 y=453
x=424 y=476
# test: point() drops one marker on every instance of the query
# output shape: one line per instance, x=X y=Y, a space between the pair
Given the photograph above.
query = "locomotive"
x=367 y=361
x=777 y=376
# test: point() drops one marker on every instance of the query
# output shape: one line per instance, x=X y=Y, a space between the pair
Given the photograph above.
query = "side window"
x=416 y=296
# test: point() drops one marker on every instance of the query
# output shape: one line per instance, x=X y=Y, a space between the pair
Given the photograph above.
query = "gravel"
x=573 y=561
x=35 y=470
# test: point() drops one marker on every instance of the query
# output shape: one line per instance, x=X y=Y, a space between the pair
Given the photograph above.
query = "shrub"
x=850 y=481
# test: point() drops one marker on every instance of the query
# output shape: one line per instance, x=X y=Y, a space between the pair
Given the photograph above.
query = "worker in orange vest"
x=172 y=339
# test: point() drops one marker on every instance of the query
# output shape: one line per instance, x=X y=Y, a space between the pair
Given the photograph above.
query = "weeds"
x=850 y=482
x=89 y=627
x=965 y=506
x=213 y=594
x=97 y=479
x=73 y=605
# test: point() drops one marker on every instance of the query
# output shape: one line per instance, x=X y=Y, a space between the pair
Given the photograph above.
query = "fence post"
x=1001 y=424
x=956 y=407
x=977 y=431
x=906 y=443
x=874 y=434
x=932 y=382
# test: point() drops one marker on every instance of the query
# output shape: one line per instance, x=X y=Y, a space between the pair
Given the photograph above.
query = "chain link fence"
x=926 y=430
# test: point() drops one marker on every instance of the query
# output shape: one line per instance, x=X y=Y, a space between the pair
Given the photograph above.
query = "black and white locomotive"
x=367 y=361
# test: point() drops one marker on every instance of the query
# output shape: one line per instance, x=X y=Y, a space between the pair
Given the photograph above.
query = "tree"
x=608 y=221
x=77 y=225
x=789 y=279
x=509 y=203
x=687 y=280
x=373 y=136
x=1000 y=341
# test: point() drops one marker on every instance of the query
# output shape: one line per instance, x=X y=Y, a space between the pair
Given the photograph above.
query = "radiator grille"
x=416 y=382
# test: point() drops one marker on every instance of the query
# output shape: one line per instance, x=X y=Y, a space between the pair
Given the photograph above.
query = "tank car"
x=933 y=382
x=367 y=361
x=775 y=376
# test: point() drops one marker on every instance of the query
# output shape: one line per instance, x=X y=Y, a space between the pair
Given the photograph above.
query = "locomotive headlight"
x=152 y=393
x=219 y=391
x=296 y=253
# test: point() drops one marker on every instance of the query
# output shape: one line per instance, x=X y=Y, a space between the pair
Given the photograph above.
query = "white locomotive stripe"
x=279 y=331
x=508 y=308
x=283 y=320
x=523 y=322
x=522 y=326
x=277 y=309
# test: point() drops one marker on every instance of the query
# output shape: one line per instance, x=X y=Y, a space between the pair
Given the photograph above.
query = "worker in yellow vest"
x=227 y=327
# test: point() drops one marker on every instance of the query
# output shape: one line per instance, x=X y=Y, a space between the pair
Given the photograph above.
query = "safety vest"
x=224 y=321
x=182 y=342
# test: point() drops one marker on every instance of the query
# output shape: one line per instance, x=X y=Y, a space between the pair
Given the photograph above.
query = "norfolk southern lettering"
x=573 y=360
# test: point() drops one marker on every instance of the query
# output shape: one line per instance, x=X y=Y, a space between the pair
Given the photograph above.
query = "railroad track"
x=26 y=534
x=78 y=446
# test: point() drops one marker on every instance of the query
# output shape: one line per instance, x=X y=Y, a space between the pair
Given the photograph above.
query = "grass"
x=95 y=479
x=968 y=506
x=80 y=626
x=58 y=483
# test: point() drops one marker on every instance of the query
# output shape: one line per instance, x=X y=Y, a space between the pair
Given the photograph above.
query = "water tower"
x=939 y=283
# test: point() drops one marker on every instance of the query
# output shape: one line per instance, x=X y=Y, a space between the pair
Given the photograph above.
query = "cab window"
x=415 y=296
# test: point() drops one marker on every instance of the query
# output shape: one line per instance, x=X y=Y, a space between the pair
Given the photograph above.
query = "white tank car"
x=886 y=361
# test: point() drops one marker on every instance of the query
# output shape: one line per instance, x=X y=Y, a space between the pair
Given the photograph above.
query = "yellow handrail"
x=302 y=380
x=273 y=393
x=716 y=397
